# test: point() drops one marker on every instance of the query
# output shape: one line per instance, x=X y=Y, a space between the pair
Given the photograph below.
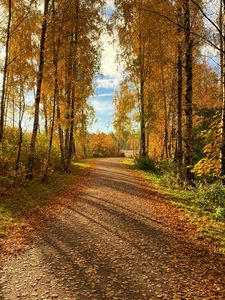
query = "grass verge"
x=17 y=202
x=209 y=228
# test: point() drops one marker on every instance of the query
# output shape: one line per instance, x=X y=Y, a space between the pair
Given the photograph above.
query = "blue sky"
x=102 y=103
x=107 y=82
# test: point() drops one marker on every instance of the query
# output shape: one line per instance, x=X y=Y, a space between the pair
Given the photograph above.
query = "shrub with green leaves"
x=146 y=164
x=212 y=198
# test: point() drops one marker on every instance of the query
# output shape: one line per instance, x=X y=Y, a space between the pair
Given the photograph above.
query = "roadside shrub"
x=165 y=169
x=166 y=166
x=169 y=179
x=146 y=164
x=168 y=173
x=212 y=195
x=98 y=155
x=219 y=214
x=212 y=198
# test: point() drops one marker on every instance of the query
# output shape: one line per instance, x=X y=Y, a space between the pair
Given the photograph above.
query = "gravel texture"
x=115 y=240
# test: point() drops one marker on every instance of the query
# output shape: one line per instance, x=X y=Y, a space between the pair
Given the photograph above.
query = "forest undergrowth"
x=20 y=201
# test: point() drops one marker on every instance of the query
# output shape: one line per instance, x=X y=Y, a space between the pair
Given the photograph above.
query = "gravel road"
x=111 y=243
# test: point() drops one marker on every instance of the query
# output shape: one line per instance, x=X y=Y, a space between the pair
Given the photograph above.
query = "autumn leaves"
x=162 y=44
x=52 y=50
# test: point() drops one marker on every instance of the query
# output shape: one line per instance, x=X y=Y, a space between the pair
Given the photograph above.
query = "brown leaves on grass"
x=162 y=210
x=39 y=219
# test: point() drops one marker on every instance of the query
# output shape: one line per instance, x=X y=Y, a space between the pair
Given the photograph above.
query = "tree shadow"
x=115 y=246
x=101 y=247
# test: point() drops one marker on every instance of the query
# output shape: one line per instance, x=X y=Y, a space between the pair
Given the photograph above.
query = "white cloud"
x=101 y=106
x=109 y=62
x=109 y=65
x=110 y=4
x=112 y=83
x=106 y=95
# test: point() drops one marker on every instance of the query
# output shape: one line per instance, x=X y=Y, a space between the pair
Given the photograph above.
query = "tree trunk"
x=222 y=154
x=188 y=96
x=69 y=79
x=165 y=114
x=143 y=150
x=143 y=136
x=45 y=115
x=38 y=94
x=71 y=137
x=221 y=45
x=55 y=99
x=74 y=73
x=4 y=81
x=61 y=136
x=21 y=114
x=179 y=99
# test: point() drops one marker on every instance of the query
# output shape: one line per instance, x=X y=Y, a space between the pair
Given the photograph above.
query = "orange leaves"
x=102 y=144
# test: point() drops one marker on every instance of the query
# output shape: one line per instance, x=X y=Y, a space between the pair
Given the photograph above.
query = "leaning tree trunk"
x=38 y=94
x=188 y=95
x=2 y=115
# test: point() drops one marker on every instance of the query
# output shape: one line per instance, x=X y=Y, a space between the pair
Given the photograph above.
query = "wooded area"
x=135 y=213
x=52 y=54
x=174 y=91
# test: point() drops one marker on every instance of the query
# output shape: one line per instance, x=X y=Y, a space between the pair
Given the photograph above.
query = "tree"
x=189 y=93
x=222 y=153
x=102 y=144
x=5 y=73
x=179 y=154
x=38 y=92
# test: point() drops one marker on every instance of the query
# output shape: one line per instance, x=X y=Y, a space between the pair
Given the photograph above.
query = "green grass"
x=208 y=227
x=17 y=202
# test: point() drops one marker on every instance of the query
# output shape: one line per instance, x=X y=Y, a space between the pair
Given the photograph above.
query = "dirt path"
x=110 y=244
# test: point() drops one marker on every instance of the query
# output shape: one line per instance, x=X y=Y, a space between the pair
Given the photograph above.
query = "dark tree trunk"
x=143 y=150
x=61 y=136
x=143 y=131
x=71 y=144
x=179 y=99
x=166 y=135
x=188 y=95
x=69 y=80
x=4 y=81
x=55 y=99
x=38 y=94
x=21 y=114
x=71 y=137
